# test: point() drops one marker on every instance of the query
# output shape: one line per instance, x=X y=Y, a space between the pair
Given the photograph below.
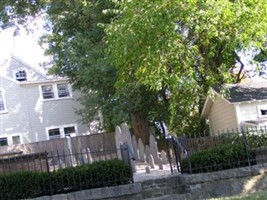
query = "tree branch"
x=239 y=77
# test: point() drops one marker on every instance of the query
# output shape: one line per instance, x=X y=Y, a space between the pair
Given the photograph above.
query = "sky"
x=24 y=46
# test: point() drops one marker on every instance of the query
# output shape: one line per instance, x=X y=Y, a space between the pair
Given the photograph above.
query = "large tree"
x=185 y=47
x=75 y=42
x=78 y=49
x=162 y=56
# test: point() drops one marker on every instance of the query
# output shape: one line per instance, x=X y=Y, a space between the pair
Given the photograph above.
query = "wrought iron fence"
x=228 y=149
x=50 y=164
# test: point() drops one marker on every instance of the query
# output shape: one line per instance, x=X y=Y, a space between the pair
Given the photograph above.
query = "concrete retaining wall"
x=198 y=186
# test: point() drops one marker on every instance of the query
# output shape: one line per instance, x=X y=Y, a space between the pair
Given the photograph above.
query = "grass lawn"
x=256 y=195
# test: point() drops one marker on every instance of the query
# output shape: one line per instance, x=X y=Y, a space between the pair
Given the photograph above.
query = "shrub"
x=24 y=185
x=224 y=156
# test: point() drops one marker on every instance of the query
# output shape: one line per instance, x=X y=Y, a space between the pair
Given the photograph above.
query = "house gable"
x=240 y=104
x=221 y=115
x=21 y=71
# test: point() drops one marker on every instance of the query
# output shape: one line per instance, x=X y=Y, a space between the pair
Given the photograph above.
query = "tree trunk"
x=141 y=127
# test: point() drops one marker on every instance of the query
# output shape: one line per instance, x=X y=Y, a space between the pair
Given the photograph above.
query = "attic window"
x=21 y=75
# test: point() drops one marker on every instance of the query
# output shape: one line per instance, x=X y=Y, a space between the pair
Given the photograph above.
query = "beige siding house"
x=34 y=107
x=243 y=106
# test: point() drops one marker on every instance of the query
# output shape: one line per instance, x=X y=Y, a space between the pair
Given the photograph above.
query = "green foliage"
x=225 y=156
x=24 y=185
x=20 y=185
x=184 y=47
x=256 y=140
x=159 y=58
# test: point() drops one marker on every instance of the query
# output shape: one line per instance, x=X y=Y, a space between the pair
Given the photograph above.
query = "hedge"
x=224 y=156
x=24 y=185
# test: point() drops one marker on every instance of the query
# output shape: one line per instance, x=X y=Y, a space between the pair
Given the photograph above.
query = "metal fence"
x=229 y=149
x=48 y=163
x=72 y=180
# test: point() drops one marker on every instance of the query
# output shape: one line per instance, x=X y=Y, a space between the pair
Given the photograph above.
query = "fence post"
x=244 y=140
x=168 y=153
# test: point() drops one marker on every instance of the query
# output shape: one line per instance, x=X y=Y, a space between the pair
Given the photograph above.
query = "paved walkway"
x=141 y=174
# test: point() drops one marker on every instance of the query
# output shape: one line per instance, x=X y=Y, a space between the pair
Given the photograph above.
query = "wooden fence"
x=93 y=142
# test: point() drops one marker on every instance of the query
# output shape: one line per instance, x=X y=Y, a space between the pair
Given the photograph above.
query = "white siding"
x=222 y=116
x=49 y=113
x=16 y=64
x=249 y=111
x=28 y=115
x=15 y=121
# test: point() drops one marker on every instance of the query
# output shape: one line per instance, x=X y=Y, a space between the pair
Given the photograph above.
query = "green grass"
x=254 y=196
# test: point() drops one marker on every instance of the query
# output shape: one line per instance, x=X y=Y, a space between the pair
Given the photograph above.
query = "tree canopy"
x=155 y=60
x=185 y=47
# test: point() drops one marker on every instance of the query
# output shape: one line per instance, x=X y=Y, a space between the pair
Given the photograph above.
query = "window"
x=21 y=75
x=16 y=139
x=2 y=102
x=3 y=141
x=55 y=91
x=54 y=133
x=63 y=90
x=47 y=91
x=61 y=131
x=68 y=131
x=262 y=111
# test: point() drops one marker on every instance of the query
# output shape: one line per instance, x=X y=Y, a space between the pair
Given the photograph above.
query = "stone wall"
x=198 y=186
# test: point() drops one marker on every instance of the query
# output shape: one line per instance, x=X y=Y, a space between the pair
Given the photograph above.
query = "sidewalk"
x=141 y=174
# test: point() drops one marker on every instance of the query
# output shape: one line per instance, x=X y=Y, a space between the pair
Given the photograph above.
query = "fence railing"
x=51 y=164
x=47 y=163
x=197 y=153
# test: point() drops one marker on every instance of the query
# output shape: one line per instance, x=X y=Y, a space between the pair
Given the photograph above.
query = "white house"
x=34 y=107
x=242 y=105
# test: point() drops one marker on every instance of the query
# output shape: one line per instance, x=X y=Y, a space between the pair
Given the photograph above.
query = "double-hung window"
x=2 y=102
x=54 y=133
x=69 y=131
x=56 y=91
x=61 y=131
x=63 y=90
x=48 y=92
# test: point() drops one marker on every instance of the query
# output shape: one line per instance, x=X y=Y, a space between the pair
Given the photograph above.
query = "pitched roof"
x=27 y=65
x=245 y=92
x=238 y=93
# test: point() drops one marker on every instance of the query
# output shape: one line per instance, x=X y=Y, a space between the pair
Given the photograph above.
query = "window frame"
x=260 y=109
x=52 y=91
x=61 y=130
x=20 y=139
x=18 y=71
x=6 y=139
x=56 y=95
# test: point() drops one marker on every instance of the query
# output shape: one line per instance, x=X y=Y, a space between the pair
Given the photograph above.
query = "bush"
x=24 y=185
x=224 y=156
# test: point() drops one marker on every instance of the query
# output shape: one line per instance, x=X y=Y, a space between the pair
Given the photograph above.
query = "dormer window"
x=21 y=75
